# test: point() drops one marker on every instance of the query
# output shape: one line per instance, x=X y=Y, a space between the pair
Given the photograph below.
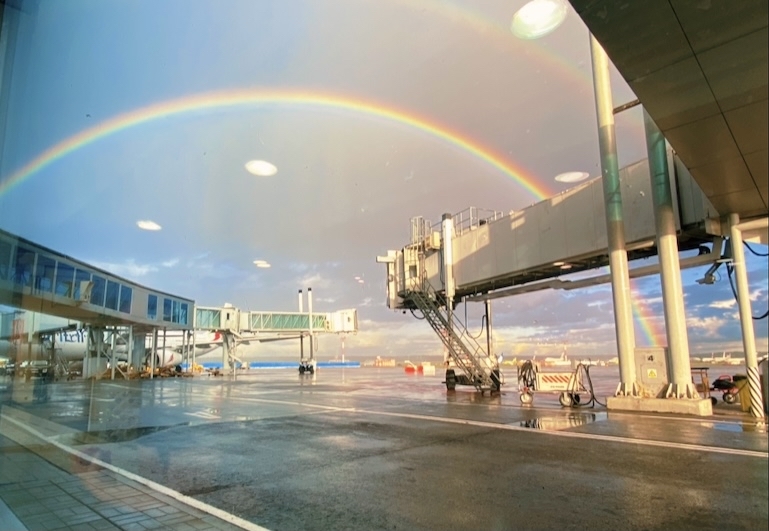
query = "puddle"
x=563 y=422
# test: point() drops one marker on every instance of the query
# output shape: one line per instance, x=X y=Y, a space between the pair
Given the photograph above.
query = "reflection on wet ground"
x=737 y=427
x=112 y=436
x=563 y=422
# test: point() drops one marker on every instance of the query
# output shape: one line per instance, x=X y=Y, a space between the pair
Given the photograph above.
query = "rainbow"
x=651 y=327
x=220 y=100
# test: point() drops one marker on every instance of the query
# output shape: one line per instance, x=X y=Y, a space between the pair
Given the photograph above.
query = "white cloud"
x=709 y=325
x=170 y=263
x=723 y=305
x=129 y=269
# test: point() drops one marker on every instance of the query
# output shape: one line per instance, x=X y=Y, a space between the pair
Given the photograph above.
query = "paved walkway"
x=64 y=492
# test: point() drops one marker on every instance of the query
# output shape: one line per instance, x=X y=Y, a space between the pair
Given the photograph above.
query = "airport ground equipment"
x=572 y=386
x=703 y=385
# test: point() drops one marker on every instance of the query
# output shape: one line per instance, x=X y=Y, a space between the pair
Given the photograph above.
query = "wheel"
x=451 y=379
x=565 y=399
x=526 y=398
x=301 y=369
x=713 y=400
x=729 y=398
x=575 y=398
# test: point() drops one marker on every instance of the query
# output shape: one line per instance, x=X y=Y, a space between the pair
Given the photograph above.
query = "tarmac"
x=363 y=449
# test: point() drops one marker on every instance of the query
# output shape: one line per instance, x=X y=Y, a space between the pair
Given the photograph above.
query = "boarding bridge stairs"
x=469 y=357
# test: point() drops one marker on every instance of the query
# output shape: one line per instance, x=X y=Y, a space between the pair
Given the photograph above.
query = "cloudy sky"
x=372 y=111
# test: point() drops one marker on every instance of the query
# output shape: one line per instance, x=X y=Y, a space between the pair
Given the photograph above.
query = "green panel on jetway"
x=285 y=321
x=207 y=318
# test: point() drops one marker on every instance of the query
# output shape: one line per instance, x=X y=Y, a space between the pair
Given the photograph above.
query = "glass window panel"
x=98 y=291
x=5 y=259
x=65 y=275
x=183 y=314
x=22 y=266
x=126 y=294
x=80 y=277
x=152 y=307
x=113 y=292
x=175 y=314
x=167 y=305
x=44 y=273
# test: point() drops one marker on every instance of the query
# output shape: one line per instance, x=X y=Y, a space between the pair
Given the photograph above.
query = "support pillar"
x=746 y=317
x=489 y=340
x=301 y=333
x=312 y=335
x=447 y=230
x=615 y=226
x=679 y=366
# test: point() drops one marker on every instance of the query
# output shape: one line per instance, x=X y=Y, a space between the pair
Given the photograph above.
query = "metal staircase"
x=477 y=368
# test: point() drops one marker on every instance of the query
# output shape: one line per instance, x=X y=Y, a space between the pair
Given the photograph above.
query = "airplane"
x=563 y=360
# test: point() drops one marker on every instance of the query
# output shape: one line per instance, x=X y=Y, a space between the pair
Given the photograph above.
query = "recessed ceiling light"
x=572 y=176
x=261 y=168
x=558 y=263
x=538 y=18
x=263 y=265
x=257 y=262
x=146 y=224
x=566 y=266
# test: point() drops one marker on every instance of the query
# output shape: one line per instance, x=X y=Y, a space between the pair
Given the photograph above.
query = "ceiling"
x=699 y=67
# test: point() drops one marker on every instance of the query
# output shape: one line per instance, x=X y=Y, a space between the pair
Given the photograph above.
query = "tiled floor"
x=44 y=497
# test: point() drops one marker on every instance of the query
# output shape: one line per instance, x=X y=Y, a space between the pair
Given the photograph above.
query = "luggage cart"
x=703 y=386
x=532 y=380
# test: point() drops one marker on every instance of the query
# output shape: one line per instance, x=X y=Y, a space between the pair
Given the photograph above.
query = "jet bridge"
x=496 y=254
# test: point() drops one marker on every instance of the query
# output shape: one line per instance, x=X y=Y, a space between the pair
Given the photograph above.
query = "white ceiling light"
x=146 y=224
x=572 y=176
x=261 y=263
x=538 y=18
x=261 y=168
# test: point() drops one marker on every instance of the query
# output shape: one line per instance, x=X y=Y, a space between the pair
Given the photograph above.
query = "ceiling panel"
x=724 y=176
x=748 y=204
x=638 y=53
x=758 y=164
x=677 y=94
x=703 y=141
x=748 y=125
x=737 y=71
x=710 y=23
x=699 y=67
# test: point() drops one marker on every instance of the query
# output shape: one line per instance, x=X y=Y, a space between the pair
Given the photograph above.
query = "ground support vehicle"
x=571 y=385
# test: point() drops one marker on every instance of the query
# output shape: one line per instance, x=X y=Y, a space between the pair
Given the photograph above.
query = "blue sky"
x=347 y=184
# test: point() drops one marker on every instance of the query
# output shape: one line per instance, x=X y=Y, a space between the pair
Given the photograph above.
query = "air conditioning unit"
x=84 y=294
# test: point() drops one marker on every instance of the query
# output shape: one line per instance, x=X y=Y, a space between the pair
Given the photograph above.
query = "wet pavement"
x=377 y=449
